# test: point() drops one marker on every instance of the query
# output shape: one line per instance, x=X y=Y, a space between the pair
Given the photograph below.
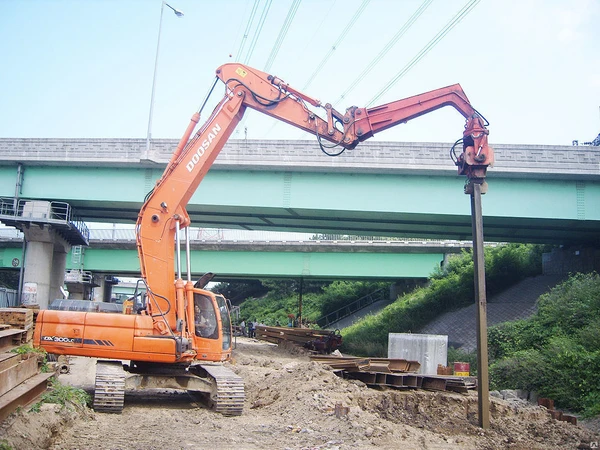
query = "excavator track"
x=109 y=395
x=228 y=395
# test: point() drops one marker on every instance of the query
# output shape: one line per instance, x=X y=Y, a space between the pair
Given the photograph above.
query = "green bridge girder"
x=546 y=194
x=253 y=264
x=515 y=209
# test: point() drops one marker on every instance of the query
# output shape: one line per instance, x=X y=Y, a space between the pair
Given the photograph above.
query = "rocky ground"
x=290 y=404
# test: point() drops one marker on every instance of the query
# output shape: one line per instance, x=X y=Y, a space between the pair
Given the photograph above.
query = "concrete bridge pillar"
x=104 y=287
x=59 y=264
x=99 y=290
x=45 y=262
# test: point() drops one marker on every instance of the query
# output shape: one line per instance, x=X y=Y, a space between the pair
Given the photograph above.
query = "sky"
x=84 y=68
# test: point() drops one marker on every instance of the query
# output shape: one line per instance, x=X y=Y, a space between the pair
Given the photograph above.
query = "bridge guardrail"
x=214 y=235
x=13 y=210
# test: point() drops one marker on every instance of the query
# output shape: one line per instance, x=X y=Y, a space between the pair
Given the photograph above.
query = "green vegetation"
x=555 y=352
x=318 y=299
x=27 y=348
x=272 y=309
x=341 y=293
x=240 y=290
x=41 y=354
x=4 y=445
x=450 y=288
x=66 y=396
x=9 y=278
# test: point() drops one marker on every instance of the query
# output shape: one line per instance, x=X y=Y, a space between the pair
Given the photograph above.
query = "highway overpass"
x=547 y=194
x=265 y=254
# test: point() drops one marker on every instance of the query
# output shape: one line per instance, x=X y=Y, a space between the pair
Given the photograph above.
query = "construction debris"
x=11 y=338
x=548 y=403
x=318 y=341
x=395 y=373
x=21 y=381
x=17 y=317
x=354 y=364
x=13 y=319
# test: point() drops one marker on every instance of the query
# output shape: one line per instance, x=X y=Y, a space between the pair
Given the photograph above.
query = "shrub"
x=557 y=350
x=340 y=293
x=66 y=396
x=574 y=373
x=524 y=369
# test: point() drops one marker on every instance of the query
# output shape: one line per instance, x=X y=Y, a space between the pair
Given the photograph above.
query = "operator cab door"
x=212 y=322
x=225 y=322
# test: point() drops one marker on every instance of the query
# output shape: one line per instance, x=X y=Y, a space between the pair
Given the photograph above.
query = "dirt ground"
x=290 y=404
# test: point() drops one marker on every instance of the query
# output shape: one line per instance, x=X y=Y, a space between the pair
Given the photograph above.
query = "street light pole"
x=149 y=134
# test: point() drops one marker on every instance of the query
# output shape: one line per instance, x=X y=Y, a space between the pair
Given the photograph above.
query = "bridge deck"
x=546 y=194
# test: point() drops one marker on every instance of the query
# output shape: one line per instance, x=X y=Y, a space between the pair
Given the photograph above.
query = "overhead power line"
x=282 y=34
x=409 y=23
x=238 y=56
x=259 y=27
x=239 y=28
x=324 y=17
x=438 y=37
x=339 y=40
x=261 y=23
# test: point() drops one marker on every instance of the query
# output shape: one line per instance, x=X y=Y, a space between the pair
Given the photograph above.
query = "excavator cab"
x=212 y=326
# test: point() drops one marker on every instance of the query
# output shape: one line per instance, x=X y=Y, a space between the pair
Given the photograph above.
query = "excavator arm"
x=358 y=124
x=163 y=212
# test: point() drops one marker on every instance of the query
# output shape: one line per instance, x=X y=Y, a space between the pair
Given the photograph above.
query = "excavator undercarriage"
x=221 y=387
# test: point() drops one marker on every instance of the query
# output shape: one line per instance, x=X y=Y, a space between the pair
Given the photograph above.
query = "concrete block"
x=428 y=349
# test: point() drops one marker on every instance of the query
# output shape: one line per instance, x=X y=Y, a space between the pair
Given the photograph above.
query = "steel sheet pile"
x=394 y=373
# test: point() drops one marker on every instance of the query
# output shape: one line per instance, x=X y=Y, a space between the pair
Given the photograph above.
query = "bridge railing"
x=218 y=235
x=258 y=236
x=351 y=308
x=14 y=210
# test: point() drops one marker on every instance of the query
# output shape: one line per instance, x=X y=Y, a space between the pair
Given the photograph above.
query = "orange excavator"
x=181 y=333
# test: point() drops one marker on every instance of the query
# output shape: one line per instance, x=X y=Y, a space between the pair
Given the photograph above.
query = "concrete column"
x=99 y=291
x=59 y=264
x=45 y=261
x=446 y=259
x=38 y=266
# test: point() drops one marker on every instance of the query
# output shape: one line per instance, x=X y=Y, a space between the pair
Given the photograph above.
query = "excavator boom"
x=246 y=87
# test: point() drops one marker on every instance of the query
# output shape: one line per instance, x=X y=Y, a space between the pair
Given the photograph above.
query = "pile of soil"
x=290 y=404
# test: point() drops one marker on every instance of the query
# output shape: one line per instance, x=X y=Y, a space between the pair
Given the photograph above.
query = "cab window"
x=205 y=318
